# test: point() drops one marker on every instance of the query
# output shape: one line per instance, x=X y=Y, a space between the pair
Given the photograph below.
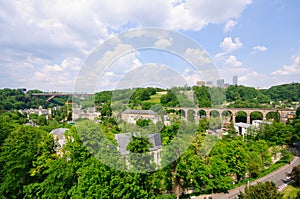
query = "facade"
x=89 y=113
x=241 y=128
x=220 y=82
x=200 y=83
x=123 y=140
x=259 y=123
x=39 y=111
x=131 y=116
x=58 y=135
x=235 y=80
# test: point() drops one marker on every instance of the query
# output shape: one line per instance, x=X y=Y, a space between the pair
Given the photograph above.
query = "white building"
x=241 y=128
x=131 y=116
x=89 y=113
x=123 y=140
x=259 y=123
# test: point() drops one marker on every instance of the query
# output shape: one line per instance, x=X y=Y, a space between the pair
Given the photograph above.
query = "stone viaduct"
x=206 y=112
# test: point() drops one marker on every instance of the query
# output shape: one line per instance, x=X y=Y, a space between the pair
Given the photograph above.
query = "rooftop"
x=142 y=112
x=123 y=140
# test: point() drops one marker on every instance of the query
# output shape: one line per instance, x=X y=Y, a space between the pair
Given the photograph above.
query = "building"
x=123 y=140
x=89 y=113
x=209 y=83
x=259 y=123
x=131 y=116
x=220 y=82
x=241 y=128
x=58 y=135
x=200 y=83
x=235 y=80
x=39 y=111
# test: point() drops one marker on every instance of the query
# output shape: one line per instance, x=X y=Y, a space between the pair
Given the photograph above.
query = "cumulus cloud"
x=59 y=76
x=293 y=69
x=231 y=60
x=163 y=43
x=51 y=31
x=196 y=56
x=259 y=49
x=195 y=14
x=229 y=45
x=229 y=25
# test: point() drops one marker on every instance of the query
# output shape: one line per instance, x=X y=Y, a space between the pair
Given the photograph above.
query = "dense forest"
x=281 y=96
x=193 y=161
x=30 y=167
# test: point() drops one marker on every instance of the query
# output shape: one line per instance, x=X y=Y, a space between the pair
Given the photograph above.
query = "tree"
x=241 y=116
x=295 y=174
x=143 y=122
x=106 y=110
x=19 y=152
x=62 y=173
x=41 y=120
x=266 y=190
x=298 y=112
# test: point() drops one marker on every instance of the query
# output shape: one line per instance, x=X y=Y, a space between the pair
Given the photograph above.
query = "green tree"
x=41 y=120
x=62 y=173
x=20 y=150
x=295 y=174
x=264 y=190
x=143 y=122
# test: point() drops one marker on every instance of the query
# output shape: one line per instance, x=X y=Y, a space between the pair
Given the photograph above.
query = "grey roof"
x=155 y=139
x=242 y=125
x=144 y=112
x=59 y=132
x=123 y=140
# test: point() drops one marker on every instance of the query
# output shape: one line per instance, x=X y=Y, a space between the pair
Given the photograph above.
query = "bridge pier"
x=248 y=119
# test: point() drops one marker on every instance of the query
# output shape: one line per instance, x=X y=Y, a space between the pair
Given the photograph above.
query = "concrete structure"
x=234 y=80
x=58 y=135
x=259 y=123
x=131 y=116
x=241 y=128
x=89 y=113
x=283 y=113
x=200 y=83
x=220 y=82
x=123 y=140
x=38 y=111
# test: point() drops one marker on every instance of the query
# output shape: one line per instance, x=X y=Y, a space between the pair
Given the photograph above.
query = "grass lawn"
x=156 y=98
x=291 y=191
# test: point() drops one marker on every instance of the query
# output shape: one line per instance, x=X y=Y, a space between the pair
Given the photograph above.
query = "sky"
x=44 y=44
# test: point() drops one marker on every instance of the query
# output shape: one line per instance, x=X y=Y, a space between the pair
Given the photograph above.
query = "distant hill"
x=290 y=92
x=236 y=96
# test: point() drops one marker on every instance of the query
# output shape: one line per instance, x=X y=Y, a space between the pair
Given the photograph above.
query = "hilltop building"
x=58 y=135
x=131 y=116
x=123 y=140
x=89 y=113
x=235 y=80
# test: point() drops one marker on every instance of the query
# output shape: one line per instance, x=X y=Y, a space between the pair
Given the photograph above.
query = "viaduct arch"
x=198 y=112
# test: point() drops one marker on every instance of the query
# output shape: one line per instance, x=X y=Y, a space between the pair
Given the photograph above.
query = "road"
x=278 y=177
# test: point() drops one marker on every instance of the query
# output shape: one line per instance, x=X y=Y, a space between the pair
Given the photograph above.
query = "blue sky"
x=44 y=43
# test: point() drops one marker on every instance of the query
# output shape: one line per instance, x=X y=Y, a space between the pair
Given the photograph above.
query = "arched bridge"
x=207 y=112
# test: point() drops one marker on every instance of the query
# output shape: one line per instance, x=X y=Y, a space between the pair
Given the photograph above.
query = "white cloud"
x=228 y=45
x=231 y=60
x=163 y=43
x=259 y=48
x=293 y=69
x=51 y=31
x=59 y=76
x=195 y=14
x=197 y=56
x=229 y=25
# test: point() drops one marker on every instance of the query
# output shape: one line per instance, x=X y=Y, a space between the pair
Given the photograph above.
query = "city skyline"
x=43 y=44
